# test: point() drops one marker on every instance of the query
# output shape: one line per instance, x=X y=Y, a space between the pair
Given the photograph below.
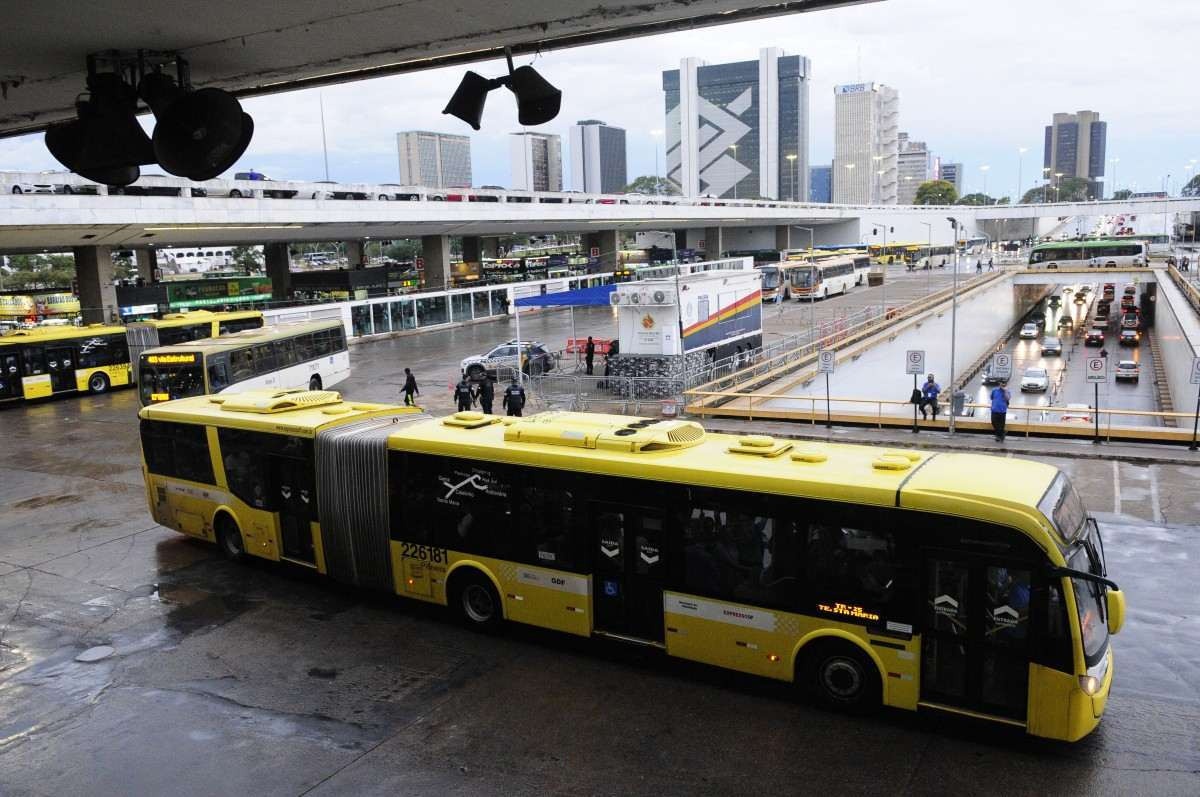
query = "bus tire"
x=229 y=538
x=474 y=600
x=98 y=382
x=314 y=382
x=840 y=677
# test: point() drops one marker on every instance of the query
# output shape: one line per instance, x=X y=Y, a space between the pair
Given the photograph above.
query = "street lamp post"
x=929 y=257
x=876 y=194
x=1114 y=162
x=1045 y=184
x=883 y=266
x=812 y=297
x=1020 y=167
x=984 y=168
x=656 y=134
x=1057 y=184
x=953 y=320
x=792 y=159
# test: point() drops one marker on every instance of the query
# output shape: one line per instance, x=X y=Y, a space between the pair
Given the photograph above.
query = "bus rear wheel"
x=841 y=677
x=476 y=602
x=314 y=383
x=97 y=383
x=229 y=538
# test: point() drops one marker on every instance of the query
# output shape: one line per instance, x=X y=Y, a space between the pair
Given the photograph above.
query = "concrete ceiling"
x=256 y=47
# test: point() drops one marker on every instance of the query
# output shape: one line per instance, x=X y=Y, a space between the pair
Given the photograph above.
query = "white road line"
x=1116 y=488
x=1154 y=506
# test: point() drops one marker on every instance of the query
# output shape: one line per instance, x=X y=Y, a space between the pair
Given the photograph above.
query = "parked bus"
x=184 y=327
x=304 y=353
x=824 y=278
x=1083 y=254
x=946 y=582
x=45 y=361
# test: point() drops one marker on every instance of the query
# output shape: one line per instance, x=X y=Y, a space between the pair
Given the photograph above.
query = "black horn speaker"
x=104 y=143
x=197 y=134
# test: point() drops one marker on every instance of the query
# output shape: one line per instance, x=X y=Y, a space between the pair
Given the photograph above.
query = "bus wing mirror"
x=1115 y=604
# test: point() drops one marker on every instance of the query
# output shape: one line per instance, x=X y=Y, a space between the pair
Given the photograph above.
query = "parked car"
x=1130 y=337
x=1035 y=380
x=1127 y=370
x=1077 y=413
x=1051 y=346
x=537 y=360
x=1029 y=331
x=1095 y=337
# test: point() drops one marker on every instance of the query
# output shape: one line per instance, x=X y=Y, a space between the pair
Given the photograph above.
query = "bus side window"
x=547 y=523
x=285 y=353
x=338 y=339
x=322 y=345
x=852 y=558
x=305 y=349
x=264 y=358
x=245 y=466
x=178 y=450
x=241 y=362
x=35 y=360
x=94 y=352
x=218 y=374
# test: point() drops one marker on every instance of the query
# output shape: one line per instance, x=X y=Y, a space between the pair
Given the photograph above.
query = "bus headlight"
x=1090 y=684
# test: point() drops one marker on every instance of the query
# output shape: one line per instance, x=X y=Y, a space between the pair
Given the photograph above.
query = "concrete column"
x=783 y=236
x=94 y=275
x=279 y=269
x=609 y=244
x=476 y=248
x=147 y=262
x=356 y=254
x=435 y=251
x=713 y=244
x=681 y=240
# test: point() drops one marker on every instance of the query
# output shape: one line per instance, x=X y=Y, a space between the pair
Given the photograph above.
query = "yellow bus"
x=175 y=328
x=948 y=582
x=45 y=361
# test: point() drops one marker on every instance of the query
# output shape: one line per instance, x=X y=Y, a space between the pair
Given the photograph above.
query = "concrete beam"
x=435 y=251
x=279 y=269
x=94 y=275
x=147 y=263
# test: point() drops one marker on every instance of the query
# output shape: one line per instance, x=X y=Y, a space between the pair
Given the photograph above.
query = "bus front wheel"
x=314 y=383
x=473 y=598
x=97 y=383
x=841 y=677
x=229 y=538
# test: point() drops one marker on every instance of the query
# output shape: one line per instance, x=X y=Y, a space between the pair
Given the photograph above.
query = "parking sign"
x=1097 y=369
x=914 y=361
x=1002 y=366
x=1196 y=371
x=826 y=361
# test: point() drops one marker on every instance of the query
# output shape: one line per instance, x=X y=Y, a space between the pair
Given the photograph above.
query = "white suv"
x=504 y=357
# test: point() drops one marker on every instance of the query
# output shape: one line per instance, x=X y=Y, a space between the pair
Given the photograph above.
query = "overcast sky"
x=977 y=80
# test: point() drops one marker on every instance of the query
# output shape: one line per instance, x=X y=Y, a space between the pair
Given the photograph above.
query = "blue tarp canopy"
x=584 y=297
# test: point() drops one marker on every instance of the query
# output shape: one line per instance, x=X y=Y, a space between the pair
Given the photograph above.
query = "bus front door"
x=975 y=646
x=630 y=570
x=297 y=502
x=10 y=375
x=60 y=363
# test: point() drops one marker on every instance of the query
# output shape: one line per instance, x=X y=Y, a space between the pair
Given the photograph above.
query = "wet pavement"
x=230 y=679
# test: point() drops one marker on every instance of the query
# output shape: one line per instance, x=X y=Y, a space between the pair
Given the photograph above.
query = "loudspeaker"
x=105 y=143
x=537 y=101
x=469 y=98
x=198 y=134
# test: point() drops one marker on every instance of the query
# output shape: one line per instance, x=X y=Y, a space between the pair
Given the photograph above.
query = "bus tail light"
x=1090 y=684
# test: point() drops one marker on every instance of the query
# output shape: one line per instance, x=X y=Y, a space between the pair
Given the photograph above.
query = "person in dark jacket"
x=463 y=395
x=514 y=398
x=410 y=388
x=486 y=394
x=589 y=355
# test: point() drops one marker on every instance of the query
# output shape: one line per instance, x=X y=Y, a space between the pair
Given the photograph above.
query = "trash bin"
x=959 y=404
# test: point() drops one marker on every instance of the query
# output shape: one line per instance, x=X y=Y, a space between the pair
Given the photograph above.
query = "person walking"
x=410 y=389
x=979 y=266
x=1000 y=399
x=486 y=394
x=589 y=354
x=463 y=395
x=991 y=264
x=514 y=398
x=929 y=396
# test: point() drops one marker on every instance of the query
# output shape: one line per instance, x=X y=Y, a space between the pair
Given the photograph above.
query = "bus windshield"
x=803 y=277
x=164 y=377
x=1063 y=507
x=770 y=277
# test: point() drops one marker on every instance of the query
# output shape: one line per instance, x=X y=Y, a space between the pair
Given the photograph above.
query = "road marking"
x=1154 y=507
x=1116 y=488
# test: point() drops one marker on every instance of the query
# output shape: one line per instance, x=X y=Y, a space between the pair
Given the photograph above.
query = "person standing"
x=929 y=396
x=979 y=266
x=410 y=389
x=589 y=354
x=1000 y=399
x=463 y=395
x=514 y=399
x=486 y=394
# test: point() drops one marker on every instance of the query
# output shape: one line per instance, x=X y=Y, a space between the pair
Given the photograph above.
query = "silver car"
x=1035 y=380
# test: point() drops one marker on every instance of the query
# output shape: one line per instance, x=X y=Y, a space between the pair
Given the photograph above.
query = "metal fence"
x=624 y=395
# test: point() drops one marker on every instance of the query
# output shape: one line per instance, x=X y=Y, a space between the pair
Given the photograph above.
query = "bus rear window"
x=162 y=381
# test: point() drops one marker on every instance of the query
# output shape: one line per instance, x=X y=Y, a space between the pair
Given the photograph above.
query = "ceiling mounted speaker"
x=469 y=98
x=197 y=134
x=537 y=101
x=104 y=143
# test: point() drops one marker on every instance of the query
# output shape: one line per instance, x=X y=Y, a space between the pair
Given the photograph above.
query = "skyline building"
x=820 y=187
x=866 y=143
x=915 y=165
x=1075 y=147
x=536 y=161
x=437 y=160
x=739 y=129
x=598 y=157
x=953 y=174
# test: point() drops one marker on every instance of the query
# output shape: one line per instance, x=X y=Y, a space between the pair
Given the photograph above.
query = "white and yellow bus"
x=958 y=583
x=309 y=354
x=829 y=276
x=45 y=361
x=185 y=327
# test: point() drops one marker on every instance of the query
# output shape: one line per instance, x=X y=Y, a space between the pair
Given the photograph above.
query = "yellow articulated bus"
x=45 y=361
x=958 y=583
x=185 y=327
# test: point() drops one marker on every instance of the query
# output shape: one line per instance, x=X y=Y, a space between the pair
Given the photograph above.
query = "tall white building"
x=536 y=161
x=866 y=144
x=915 y=165
x=437 y=160
x=597 y=157
x=740 y=129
